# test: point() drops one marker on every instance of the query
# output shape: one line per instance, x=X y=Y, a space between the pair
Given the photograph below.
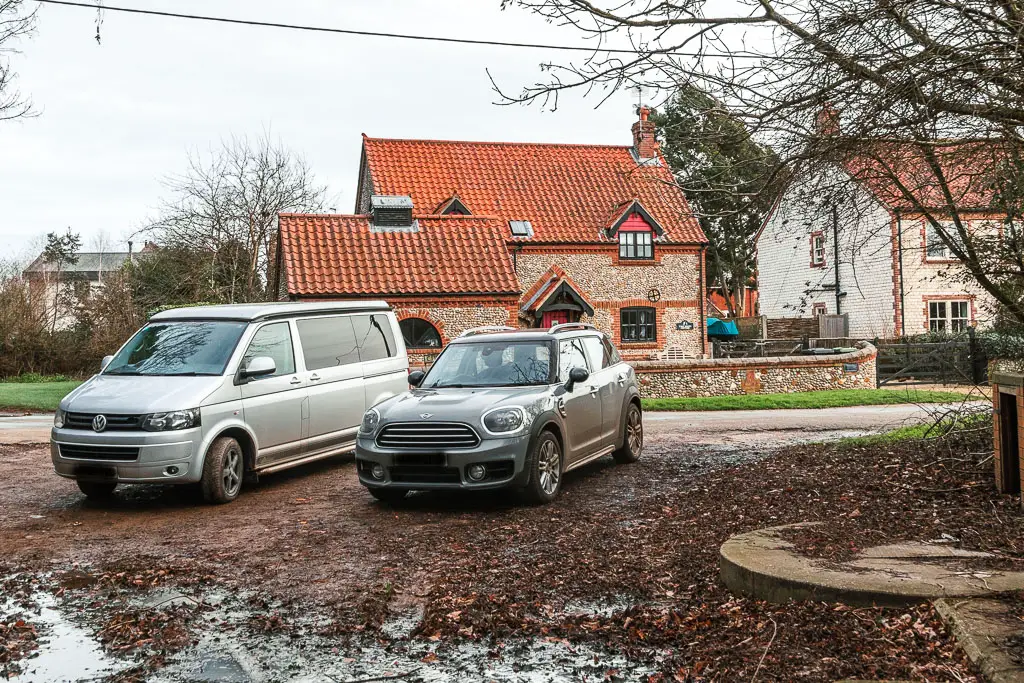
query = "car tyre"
x=632 y=436
x=545 y=466
x=223 y=471
x=97 y=490
x=389 y=496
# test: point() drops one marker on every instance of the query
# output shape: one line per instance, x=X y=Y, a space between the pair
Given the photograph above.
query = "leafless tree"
x=16 y=22
x=225 y=206
x=927 y=95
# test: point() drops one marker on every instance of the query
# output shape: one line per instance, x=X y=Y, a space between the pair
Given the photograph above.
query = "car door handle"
x=314 y=377
x=622 y=379
x=296 y=380
x=594 y=390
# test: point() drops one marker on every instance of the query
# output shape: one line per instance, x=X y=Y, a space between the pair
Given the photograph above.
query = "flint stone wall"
x=738 y=376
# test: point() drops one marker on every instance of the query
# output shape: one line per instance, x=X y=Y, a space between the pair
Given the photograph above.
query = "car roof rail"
x=567 y=327
x=485 y=329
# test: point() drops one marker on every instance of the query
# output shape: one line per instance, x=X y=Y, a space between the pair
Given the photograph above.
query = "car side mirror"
x=260 y=366
x=416 y=378
x=576 y=375
x=105 y=362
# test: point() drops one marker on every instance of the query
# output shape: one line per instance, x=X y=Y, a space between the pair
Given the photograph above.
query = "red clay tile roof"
x=339 y=255
x=567 y=192
x=964 y=166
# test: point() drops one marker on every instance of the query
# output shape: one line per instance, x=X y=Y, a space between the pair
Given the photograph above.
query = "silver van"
x=220 y=394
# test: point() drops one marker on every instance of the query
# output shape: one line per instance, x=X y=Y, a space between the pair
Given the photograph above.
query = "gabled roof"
x=88 y=262
x=567 y=192
x=627 y=209
x=554 y=280
x=332 y=255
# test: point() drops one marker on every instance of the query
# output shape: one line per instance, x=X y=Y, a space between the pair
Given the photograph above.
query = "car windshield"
x=178 y=348
x=491 y=364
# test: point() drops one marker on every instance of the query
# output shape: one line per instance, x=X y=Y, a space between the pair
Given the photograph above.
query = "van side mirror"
x=416 y=378
x=260 y=366
x=105 y=362
x=576 y=375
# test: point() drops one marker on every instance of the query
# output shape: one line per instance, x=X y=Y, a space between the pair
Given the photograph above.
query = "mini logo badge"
x=426 y=416
x=99 y=423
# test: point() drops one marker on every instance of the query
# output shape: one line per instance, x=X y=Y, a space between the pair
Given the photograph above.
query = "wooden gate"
x=957 y=360
x=833 y=326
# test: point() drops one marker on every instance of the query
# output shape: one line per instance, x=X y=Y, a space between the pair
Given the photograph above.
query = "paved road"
x=762 y=427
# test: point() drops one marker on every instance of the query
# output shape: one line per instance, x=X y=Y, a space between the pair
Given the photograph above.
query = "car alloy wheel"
x=232 y=473
x=549 y=466
x=635 y=431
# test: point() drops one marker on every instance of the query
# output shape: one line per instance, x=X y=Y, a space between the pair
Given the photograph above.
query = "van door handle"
x=314 y=377
x=296 y=380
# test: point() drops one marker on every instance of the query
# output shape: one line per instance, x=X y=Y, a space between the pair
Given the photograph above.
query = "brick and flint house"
x=463 y=234
x=845 y=239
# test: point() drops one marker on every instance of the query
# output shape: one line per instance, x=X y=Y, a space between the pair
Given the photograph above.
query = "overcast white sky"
x=115 y=118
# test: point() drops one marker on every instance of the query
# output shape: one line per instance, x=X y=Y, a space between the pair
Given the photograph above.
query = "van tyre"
x=97 y=490
x=223 y=471
x=544 y=464
x=389 y=496
x=632 y=436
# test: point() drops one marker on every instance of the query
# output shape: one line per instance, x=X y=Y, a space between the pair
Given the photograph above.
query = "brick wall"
x=738 y=376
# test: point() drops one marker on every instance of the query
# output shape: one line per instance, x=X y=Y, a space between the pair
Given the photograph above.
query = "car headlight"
x=175 y=419
x=58 y=419
x=504 y=420
x=371 y=418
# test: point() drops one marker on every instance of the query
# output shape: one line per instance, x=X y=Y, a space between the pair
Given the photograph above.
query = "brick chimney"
x=644 y=143
x=826 y=122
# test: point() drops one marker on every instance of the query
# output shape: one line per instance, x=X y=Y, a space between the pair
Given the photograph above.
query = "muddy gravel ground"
x=307 y=578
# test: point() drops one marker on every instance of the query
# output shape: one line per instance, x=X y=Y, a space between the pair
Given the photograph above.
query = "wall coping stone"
x=865 y=352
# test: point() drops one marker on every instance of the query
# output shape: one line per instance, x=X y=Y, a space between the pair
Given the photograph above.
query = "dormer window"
x=453 y=206
x=636 y=244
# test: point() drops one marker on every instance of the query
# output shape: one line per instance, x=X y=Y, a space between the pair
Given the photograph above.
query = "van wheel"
x=97 y=490
x=223 y=471
x=389 y=496
x=632 y=437
x=544 y=463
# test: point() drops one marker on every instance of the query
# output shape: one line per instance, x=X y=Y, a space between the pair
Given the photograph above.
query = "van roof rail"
x=566 y=327
x=485 y=329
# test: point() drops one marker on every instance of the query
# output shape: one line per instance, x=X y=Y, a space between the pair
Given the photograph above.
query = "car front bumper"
x=408 y=469
x=159 y=457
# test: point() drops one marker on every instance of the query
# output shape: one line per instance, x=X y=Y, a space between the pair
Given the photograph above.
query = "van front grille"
x=114 y=422
x=79 y=452
x=427 y=436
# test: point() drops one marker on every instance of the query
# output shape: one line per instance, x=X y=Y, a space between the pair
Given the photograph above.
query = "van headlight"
x=504 y=420
x=371 y=419
x=58 y=419
x=175 y=419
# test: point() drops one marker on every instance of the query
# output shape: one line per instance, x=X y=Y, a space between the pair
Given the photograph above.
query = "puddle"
x=66 y=652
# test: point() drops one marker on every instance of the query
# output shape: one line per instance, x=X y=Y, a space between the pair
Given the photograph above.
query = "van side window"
x=275 y=341
x=374 y=337
x=328 y=342
x=598 y=353
x=570 y=355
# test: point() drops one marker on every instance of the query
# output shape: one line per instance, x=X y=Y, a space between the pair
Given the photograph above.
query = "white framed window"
x=949 y=316
x=934 y=246
x=819 y=309
x=817 y=249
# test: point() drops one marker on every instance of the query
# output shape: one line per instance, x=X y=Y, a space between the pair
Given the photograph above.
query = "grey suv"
x=504 y=408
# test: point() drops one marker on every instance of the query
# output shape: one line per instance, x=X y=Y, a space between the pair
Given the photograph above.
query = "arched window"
x=419 y=334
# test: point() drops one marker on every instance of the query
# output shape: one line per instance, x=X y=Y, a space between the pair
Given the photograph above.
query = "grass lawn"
x=809 y=399
x=40 y=396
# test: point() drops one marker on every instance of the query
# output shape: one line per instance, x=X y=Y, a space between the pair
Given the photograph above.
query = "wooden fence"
x=957 y=360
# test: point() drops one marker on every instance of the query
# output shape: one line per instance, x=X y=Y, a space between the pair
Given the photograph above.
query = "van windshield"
x=491 y=364
x=199 y=347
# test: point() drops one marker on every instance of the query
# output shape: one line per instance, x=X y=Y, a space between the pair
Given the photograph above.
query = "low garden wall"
x=737 y=376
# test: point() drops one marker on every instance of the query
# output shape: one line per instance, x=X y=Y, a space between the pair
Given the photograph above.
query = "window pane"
x=168 y=348
x=637 y=324
x=570 y=355
x=613 y=355
x=596 y=352
x=630 y=251
x=374 y=337
x=328 y=342
x=419 y=334
x=274 y=341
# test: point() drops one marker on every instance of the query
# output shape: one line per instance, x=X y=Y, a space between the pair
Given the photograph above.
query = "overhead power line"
x=380 y=34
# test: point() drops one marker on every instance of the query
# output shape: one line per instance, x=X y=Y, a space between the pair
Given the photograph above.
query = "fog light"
x=172 y=470
x=477 y=472
x=377 y=471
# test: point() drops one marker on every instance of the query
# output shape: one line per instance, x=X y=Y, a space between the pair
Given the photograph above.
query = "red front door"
x=554 y=318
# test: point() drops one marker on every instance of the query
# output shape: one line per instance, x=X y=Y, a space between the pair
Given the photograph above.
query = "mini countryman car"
x=504 y=408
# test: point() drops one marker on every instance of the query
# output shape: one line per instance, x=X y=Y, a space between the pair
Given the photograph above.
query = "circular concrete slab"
x=763 y=565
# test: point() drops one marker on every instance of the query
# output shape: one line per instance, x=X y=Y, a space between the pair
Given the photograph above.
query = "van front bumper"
x=131 y=456
x=504 y=460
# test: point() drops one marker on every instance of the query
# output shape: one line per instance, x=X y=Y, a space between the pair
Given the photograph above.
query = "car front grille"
x=424 y=474
x=114 y=422
x=118 y=453
x=427 y=436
